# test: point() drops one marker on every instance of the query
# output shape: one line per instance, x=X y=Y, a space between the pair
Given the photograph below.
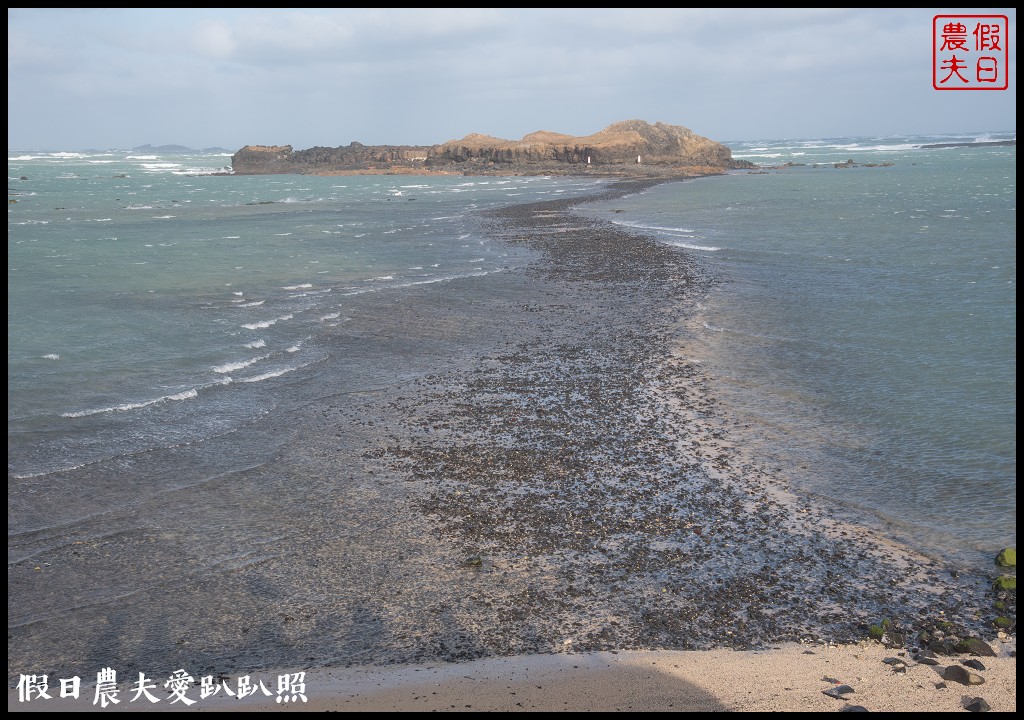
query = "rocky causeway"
x=567 y=483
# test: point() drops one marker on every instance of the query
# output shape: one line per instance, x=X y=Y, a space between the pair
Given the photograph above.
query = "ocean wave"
x=187 y=395
x=256 y=344
x=241 y=364
x=268 y=375
x=51 y=356
x=203 y=171
x=303 y=286
x=691 y=246
x=448 y=278
x=399 y=286
x=261 y=325
x=663 y=228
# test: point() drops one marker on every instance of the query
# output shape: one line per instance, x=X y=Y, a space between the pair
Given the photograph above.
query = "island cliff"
x=633 y=148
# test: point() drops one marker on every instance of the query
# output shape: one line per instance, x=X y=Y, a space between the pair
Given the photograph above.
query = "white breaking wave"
x=642 y=226
x=51 y=356
x=230 y=367
x=691 y=246
x=267 y=376
x=256 y=344
x=188 y=394
x=262 y=325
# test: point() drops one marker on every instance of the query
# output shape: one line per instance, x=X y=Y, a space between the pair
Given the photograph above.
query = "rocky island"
x=633 y=148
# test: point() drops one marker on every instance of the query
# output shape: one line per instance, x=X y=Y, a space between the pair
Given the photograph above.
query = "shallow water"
x=526 y=412
x=863 y=325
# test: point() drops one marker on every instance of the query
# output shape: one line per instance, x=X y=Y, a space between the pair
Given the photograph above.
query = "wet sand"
x=548 y=474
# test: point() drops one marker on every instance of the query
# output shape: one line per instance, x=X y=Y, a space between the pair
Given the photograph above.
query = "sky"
x=222 y=77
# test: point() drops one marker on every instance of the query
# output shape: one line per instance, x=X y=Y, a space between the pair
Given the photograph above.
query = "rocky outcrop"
x=270 y=159
x=630 y=147
x=624 y=143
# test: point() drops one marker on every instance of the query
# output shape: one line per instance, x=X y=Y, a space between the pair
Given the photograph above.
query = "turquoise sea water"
x=150 y=302
x=861 y=326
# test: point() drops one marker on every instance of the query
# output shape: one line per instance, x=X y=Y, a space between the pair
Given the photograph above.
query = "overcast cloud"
x=112 y=78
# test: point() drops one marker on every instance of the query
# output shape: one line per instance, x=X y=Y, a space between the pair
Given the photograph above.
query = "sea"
x=859 y=326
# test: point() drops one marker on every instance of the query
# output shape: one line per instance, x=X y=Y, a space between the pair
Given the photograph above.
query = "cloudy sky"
x=117 y=78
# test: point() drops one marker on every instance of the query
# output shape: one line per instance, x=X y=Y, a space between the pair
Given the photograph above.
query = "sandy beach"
x=790 y=678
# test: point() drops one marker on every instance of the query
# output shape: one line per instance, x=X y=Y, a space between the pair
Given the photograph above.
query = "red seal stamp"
x=970 y=52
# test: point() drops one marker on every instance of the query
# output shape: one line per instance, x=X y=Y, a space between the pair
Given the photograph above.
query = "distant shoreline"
x=986 y=143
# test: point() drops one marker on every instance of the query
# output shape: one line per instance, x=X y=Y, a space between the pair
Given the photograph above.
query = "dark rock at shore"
x=977 y=705
x=956 y=673
x=975 y=646
x=973 y=664
x=942 y=647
